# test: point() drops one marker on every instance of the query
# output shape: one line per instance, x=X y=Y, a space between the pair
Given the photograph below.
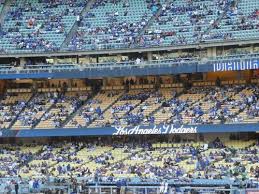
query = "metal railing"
x=87 y=186
x=51 y=68
x=112 y=189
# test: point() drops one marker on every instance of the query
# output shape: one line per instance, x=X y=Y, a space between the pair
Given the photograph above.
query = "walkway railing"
x=66 y=67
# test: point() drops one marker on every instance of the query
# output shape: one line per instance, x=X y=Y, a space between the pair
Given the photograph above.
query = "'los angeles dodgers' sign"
x=164 y=129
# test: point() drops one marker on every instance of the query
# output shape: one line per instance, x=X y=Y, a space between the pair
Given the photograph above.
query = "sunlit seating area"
x=65 y=105
x=12 y=104
x=213 y=159
x=92 y=112
x=49 y=108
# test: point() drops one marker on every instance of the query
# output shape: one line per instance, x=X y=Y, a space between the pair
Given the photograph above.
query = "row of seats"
x=109 y=88
x=204 y=84
x=231 y=82
x=255 y=81
x=28 y=90
x=21 y=90
x=180 y=85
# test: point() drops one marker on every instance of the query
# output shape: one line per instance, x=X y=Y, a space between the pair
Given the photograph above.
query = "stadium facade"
x=129 y=96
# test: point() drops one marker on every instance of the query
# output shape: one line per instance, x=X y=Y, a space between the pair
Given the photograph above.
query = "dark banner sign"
x=136 y=130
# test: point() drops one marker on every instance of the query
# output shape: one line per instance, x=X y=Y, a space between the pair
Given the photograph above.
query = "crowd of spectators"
x=252 y=104
x=49 y=106
x=38 y=104
x=197 y=105
x=28 y=25
x=210 y=160
x=220 y=105
x=119 y=24
x=10 y=106
x=112 y=28
x=64 y=106
x=181 y=24
x=239 y=18
x=93 y=110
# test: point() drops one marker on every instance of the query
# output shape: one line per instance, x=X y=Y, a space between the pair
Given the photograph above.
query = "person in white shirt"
x=138 y=61
x=164 y=187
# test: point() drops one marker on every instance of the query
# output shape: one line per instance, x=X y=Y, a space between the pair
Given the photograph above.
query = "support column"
x=239 y=75
x=179 y=53
x=22 y=61
x=149 y=56
x=204 y=76
x=55 y=60
x=34 y=86
x=211 y=52
x=251 y=49
x=119 y=56
x=105 y=81
x=214 y=52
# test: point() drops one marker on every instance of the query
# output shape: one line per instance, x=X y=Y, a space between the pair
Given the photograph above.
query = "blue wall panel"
x=140 y=130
